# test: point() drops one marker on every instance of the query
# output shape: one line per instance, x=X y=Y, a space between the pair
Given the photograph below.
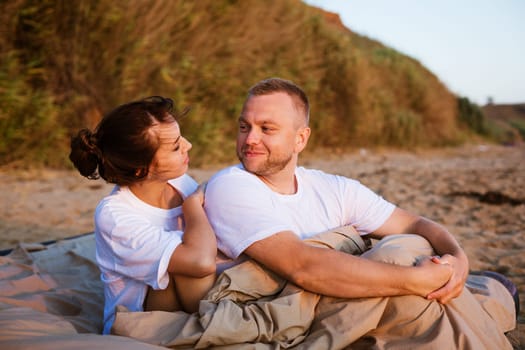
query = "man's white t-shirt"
x=242 y=209
x=134 y=244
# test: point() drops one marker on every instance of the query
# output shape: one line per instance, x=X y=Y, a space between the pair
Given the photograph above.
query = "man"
x=267 y=206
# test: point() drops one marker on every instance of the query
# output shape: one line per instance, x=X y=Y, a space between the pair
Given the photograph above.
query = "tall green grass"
x=66 y=63
x=30 y=130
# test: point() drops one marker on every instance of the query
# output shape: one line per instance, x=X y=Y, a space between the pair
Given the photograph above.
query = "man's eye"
x=243 y=127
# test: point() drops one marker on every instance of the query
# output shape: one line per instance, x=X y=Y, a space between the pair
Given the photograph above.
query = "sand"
x=477 y=192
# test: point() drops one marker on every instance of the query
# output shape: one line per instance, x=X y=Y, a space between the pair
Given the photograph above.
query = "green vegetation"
x=505 y=122
x=65 y=63
x=519 y=125
x=28 y=119
x=472 y=116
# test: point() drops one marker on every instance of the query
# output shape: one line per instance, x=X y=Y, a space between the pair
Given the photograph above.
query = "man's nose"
x=253 y=137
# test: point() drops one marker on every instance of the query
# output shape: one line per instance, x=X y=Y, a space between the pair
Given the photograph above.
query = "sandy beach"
x=477 y=192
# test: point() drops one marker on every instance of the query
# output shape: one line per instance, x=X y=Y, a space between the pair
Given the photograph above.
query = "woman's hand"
x=197 y=195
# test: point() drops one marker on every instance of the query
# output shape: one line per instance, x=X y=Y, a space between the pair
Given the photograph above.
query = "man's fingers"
x=445 y=294
x=443 y=260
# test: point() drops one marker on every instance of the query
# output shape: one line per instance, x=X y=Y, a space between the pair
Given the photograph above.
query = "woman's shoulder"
x=120 y=198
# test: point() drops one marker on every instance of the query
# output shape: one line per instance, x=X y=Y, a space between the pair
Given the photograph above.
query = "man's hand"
x=431 y=277
x=454 y=286
x=443 y=243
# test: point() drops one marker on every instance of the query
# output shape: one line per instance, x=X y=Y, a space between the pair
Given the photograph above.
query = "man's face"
x=269 y=132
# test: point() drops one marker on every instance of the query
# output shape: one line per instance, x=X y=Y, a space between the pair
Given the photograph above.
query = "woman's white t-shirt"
x=134 y=244
x=242 y=209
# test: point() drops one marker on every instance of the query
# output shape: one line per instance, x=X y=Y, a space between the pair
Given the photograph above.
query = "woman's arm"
x=193 y=261
x=195 y=256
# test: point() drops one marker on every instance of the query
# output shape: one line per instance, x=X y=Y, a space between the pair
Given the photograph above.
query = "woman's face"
x=171 y=159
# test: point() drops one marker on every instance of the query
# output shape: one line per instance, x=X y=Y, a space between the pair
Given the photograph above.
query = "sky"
x=475 y=47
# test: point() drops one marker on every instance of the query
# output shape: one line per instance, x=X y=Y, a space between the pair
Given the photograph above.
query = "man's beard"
x=270 y=166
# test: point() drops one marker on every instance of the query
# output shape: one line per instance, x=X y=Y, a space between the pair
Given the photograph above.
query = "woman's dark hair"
x=122 y=147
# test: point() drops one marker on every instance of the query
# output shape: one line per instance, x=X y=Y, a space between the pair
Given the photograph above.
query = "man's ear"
x=301 y=138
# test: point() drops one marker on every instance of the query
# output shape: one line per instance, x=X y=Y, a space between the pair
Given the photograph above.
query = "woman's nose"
x=187 y=144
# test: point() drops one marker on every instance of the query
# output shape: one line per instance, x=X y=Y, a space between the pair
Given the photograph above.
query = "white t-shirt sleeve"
x=185 y=184
x=241 y=210
x=131 y=246
x=366 y=209
x=341 y=201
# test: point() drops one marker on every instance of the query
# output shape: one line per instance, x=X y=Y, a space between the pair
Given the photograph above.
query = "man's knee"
x=405 y=249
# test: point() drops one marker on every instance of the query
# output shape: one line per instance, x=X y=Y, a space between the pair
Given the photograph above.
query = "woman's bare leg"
x=162 y=299
x=191 y=290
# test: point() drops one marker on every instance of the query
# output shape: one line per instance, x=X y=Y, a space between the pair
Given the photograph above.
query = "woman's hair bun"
x=85 y=154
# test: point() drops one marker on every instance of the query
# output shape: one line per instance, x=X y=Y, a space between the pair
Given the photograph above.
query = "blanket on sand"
x=51 y=297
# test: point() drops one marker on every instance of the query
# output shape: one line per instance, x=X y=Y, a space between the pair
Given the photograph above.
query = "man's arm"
x=444 y=244
x=338 y=274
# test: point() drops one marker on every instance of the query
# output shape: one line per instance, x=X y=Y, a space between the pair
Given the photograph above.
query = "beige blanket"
x=250 y=307
x=52 y=298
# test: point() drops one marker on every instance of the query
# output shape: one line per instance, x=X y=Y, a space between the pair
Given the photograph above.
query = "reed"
x=66 y=63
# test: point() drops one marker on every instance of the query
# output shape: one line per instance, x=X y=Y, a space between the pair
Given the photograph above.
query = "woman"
x=154 y=245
